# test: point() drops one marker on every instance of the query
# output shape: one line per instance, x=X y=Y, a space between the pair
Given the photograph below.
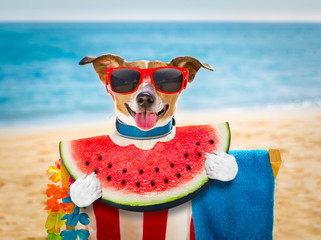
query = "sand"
x=26 y=153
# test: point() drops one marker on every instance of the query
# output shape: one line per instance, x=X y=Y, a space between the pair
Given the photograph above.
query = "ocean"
x=257 y=66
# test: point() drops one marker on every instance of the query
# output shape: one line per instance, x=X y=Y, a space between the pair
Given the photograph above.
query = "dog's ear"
x=102 y=63
x=192 y=64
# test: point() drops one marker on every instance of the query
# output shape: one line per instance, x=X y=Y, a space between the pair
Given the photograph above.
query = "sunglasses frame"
x=143 y=72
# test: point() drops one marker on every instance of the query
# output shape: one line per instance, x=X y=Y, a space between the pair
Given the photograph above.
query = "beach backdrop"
x=258 y=66
x=266 y=83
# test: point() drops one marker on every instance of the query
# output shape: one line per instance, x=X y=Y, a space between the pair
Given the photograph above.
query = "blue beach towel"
x=242 y=208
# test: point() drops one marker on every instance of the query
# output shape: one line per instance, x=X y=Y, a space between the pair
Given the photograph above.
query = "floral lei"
x=62 y=212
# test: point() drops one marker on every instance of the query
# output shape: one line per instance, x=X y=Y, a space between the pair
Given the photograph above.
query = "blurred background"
x=266 y=55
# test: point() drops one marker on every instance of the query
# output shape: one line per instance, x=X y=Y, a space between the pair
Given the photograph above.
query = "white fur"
x=220 y=166
x=146 y=87
x=146 y=64
x=141 y=144
x=85 y=190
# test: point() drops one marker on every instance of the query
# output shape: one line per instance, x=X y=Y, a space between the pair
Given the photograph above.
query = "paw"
x=220 y=166
x=85 y=190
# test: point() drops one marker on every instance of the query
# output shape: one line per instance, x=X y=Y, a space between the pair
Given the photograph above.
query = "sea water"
x=257 y=66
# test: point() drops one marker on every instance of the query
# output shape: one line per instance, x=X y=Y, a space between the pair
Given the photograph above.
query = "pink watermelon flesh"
x=147 y=180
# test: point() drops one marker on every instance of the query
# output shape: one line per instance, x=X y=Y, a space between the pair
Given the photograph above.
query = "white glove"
x=220 y=166
x=85 y=190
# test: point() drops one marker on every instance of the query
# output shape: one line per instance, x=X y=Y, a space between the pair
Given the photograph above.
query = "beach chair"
x=239 y=209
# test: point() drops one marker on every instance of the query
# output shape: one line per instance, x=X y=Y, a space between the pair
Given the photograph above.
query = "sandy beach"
x=27 y=152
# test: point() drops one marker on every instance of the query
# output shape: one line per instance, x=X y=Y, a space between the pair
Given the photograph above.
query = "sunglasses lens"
x=168 y=79
x=124 y=80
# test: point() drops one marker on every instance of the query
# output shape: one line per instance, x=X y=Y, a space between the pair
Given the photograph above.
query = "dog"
x=147 y=108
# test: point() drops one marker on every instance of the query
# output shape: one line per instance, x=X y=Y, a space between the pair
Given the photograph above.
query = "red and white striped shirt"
x=109 y=223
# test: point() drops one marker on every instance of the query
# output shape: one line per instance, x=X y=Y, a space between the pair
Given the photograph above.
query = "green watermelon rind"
x=223 y=132
x=225 y=135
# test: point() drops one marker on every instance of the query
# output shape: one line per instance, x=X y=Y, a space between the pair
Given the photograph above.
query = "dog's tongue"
x=145 y=120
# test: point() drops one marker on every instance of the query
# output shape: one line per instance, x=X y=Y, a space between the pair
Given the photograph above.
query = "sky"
x=161 y=10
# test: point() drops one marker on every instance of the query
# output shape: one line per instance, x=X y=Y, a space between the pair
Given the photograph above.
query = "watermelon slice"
x=165 y=176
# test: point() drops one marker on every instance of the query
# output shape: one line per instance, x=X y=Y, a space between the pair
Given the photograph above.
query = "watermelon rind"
x=224 y=134
x=151 y=201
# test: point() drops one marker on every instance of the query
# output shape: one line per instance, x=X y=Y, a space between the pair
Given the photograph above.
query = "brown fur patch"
x=156 y=64
x=136 y=64
x=120 y=102
x=106 y=61
x=142 y=64
x=192 y=64
x=168 y=99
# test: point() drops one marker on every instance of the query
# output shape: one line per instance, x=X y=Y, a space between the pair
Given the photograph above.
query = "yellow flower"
x=54 y=220
x=56 y=173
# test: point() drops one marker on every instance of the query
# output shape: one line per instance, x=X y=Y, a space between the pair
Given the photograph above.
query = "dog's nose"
x=145 y=99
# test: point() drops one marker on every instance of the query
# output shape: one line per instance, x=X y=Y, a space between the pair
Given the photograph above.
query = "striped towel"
x=240 y=209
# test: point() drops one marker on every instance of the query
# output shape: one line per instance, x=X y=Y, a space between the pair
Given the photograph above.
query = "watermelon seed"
x=108 y=178
x=186 y=155
x=197 y=143
x=157 y=169
x=87 y=163
x=124 y=170
x=165 y=180
x=188 y=167
x=178 y=175
x=110 y=165
x=141 y=171
x=198 y=154
x=172 y=164
x=211 y=141
x=100 y=157
x=153 y=183
x=137 y=184
x=123 y=182
x=96 y=170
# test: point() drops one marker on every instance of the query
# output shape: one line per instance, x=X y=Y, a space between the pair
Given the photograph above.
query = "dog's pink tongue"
x=145 y=120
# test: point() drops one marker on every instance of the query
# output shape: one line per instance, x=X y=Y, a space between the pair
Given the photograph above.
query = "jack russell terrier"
x=145 y=102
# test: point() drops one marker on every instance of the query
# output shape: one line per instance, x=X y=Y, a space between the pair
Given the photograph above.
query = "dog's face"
x=146 y=107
